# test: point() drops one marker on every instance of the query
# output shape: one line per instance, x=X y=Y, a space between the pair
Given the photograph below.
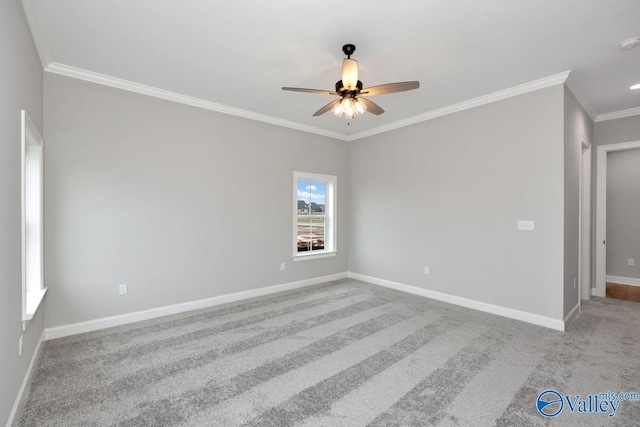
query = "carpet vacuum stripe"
x=344 y=353
x=131 y=384
x=320 y=397
x=214 y=393
x=130 y=361
x=139 y=348
x=67 y=347
x=279 y=389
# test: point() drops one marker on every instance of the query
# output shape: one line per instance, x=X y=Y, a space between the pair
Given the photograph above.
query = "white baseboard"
x=123 y=319
x=25 y=382
x=511 y=313
x=575 y=311
x=623 y=280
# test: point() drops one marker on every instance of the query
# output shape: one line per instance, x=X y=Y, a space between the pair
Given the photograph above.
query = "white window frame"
x=330 y=207
x=32 y=159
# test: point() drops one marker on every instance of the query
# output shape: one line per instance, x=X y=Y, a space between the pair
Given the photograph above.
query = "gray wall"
x=604 y=133
x=178 y=202
x=21 y=88
x=577 y=127
x=448 y=193
x=623 y=213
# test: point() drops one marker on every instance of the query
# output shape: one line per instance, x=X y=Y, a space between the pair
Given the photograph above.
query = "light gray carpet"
x=339 y=354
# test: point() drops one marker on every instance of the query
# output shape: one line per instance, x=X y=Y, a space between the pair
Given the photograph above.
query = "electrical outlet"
x=20 y=345
x=426 y=271
x=283 y=266
x=631 y=262
x=526 y=225
x=123 y=289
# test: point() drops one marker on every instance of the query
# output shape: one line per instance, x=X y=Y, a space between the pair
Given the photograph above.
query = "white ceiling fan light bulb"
x=349 y=74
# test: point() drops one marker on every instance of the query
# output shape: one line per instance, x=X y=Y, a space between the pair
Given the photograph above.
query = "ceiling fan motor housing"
x=342 y=91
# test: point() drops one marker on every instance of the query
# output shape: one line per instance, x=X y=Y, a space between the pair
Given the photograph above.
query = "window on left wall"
x=33 y=289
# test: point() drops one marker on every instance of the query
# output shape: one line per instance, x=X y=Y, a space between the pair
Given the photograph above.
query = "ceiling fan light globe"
x=359 y=107
x=347 y=107
x=349 y=74
x=349 y=113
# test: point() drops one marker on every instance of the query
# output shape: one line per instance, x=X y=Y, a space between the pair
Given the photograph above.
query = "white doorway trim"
x=601 y=210
x=584 y=271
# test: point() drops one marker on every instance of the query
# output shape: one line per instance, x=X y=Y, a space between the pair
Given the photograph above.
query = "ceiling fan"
x=350 y=90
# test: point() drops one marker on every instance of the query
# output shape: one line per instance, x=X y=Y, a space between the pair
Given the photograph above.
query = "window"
x=314 y=207
x=33 y=289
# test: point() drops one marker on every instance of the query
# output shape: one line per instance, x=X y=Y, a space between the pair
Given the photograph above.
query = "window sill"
x=306 y=257
x=33 y=303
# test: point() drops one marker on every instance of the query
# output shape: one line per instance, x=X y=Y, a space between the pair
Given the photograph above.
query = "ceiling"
x=235 y=56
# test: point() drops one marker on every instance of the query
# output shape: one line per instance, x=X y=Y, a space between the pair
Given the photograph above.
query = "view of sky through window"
x=309 y=191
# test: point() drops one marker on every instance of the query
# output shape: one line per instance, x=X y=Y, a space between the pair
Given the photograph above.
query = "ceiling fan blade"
x=326 y=108
x=390 y=88
x=372 y=107
x=299 y=89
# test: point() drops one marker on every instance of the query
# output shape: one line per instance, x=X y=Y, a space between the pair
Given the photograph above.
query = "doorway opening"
x=601 y=212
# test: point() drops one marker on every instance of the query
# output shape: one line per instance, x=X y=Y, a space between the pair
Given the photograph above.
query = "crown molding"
x=618 y=114
x=102 y=79
x=38 y=39
x=471 y=103
x=587 y=108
